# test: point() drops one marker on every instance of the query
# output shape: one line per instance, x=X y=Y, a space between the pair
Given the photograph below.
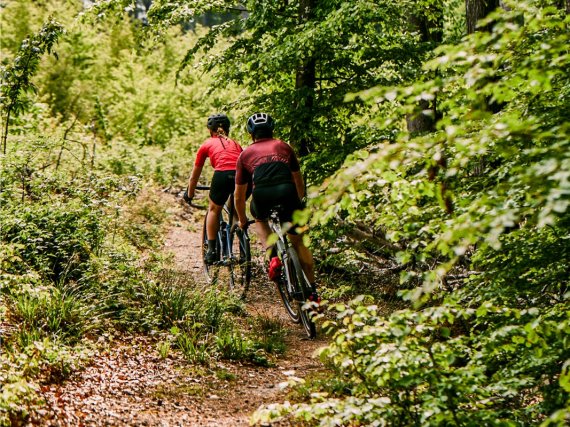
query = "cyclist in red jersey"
x=272 y=167
x=223 y=154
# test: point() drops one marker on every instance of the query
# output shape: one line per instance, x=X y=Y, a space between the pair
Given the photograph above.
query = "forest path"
x=129 y=384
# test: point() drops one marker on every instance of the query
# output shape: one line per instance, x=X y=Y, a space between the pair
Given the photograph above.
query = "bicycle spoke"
x=300 y=287
x=286 y=286
x=239 y=262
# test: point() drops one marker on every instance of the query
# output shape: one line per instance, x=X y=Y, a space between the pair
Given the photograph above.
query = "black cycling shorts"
x=222 y=185
x=266 y=197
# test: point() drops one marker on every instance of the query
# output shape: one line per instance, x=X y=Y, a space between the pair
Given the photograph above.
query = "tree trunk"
x=476 y=10
x=305 y=84
x=431 y=31
x=63 y=141
x=5 y=131
x=423 y=120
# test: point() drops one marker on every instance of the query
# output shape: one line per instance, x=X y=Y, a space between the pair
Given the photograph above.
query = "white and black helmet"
x=259 y=121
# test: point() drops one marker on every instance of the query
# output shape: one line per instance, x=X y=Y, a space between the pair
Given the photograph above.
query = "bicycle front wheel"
x=301 y=291
x=240 y=262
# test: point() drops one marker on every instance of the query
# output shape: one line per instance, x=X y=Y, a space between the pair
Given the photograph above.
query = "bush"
x=56 y=239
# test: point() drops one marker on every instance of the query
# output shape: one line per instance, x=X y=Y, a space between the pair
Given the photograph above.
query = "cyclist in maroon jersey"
x=223 y=153
x=272 y=167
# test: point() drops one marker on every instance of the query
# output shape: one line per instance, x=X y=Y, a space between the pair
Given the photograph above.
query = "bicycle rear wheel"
x=287 y=288
x=301 y=288
x=210 y=271
x=240 y=262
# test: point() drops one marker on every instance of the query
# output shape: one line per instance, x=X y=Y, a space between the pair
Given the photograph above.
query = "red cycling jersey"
x=223 y=153
x=276 y=158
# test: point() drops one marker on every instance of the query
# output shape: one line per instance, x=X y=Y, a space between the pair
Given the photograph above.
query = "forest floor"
x=129 y=383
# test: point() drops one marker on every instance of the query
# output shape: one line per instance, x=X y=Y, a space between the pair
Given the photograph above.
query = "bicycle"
x=232 y=248
x=294 y=288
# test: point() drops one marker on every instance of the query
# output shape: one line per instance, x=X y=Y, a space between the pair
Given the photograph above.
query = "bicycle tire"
x=240 y=262
x=286 y=287
x=301 y=286
x=210 y=271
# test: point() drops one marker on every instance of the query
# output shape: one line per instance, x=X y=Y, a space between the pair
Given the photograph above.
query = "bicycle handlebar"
x=199 y=187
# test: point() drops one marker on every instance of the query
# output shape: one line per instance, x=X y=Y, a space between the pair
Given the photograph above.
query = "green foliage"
x=21 y=373
x=203 y=326
x=479 y=212
x=192 y=346
x=420 y=368
x=55 y=313
x=177 y=306
x=475 y=211
x=164 y=348
x=227 y=342
x=75 y=217
x=111 y=82
x=269 y=334
x=266 y=337
x=537 y=260
x=65 y=268
x=482 y=174
x=55 y=240
x=142 y=223
x=16 y=77
x=232 y=344
x=351 y=46
x=15 y=400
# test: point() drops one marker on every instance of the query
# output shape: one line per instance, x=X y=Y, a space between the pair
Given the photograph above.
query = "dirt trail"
x=130 y=384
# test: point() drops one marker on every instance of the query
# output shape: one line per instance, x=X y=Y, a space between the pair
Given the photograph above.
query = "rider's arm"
x=239 y=201
x=193 y=181
x=299 y=183
x=201 y=156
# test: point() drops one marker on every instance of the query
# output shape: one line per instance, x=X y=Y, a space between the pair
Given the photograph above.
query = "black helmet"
x=216 y=121
x=260 y=121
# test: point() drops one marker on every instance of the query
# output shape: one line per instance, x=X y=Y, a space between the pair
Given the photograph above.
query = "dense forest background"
x=435 y=139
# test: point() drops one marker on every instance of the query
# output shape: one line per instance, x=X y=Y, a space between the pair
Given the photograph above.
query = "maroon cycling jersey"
x=266 y=162
x=223 y=153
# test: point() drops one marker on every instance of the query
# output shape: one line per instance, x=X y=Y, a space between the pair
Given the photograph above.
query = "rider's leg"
x=263 y=232
x=275 y=267
x=213 y=223
x=220 y=188
x=305 y=256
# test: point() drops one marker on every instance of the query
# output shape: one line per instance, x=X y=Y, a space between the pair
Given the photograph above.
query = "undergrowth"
x=82 y=262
